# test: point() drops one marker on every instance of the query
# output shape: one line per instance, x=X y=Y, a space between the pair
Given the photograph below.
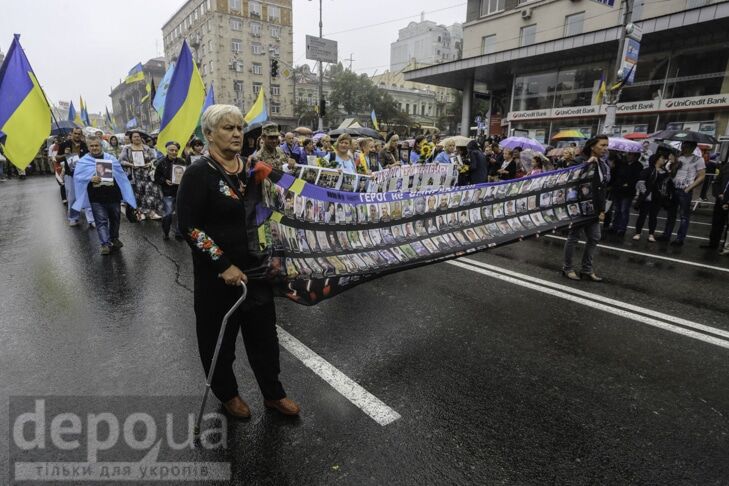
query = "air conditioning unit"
x=526 y=13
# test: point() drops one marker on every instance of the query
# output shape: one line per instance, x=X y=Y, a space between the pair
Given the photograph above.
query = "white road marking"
x=690 y=222
x=352 y=391
x=594 y=304
x=687 y=236
x=601 y=298
x=650 y=255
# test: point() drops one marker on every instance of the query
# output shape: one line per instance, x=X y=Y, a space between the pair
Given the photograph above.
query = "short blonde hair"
x=449 y=143
x=215 y=113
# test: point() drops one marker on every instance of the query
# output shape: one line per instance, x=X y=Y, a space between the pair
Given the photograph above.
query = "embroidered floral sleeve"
x=206 y=244
x=192 y=214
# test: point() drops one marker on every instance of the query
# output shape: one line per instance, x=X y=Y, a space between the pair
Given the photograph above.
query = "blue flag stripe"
x=179 y=85
x=15 y=83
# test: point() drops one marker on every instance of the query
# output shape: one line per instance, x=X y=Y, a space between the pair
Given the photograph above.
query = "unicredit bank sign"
x=671 y=104
x=695 y=102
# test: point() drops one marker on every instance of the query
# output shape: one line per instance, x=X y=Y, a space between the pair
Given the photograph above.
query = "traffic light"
x=274 y=68
x=322 y=107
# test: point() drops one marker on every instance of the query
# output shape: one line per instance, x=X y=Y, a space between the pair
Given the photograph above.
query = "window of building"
x=235 y=45
x=234 y=5
x=254 y=9
x=573 y=24
x=489 y=7
x=577 y=86
x=274 y=13
x=236 y=24
x=697 y=73
x=275 y=108
x=534 y=91
x=255 y=28
x=528 y=35
x=275 y=31
x=257 y=68
x=407 y=107
x=488 y=44
x=422 y=110
x=211 y=70
x=256 y=88
x=204 y=69
x=237 y=85
x=257 y=48
x=275 y=90
x=695 y=3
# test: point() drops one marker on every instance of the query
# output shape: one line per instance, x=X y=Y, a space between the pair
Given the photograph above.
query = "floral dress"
x=147 y=193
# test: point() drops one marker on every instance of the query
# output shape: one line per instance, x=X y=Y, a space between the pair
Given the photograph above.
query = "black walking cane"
x=214 y=362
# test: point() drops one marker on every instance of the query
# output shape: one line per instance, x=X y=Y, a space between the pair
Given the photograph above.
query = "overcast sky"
x=82 y=47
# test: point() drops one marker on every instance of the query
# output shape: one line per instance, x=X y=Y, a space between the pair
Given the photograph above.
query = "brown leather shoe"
x=237 y=408
x=592 y=277
x=286 y=406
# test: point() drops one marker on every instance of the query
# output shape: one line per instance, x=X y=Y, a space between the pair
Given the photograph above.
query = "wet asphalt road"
x=496 y=382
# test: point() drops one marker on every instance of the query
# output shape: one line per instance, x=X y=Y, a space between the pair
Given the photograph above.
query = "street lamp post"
x=612 y=98
x=321 y=73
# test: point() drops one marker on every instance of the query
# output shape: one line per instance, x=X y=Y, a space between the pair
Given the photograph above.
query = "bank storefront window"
x=534 y=91
x=649 y=79
x=578 y=86
x=697 y=73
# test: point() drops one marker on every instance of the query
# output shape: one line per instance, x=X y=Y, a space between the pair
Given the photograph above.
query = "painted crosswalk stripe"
x=593 y=302
x=352 y=391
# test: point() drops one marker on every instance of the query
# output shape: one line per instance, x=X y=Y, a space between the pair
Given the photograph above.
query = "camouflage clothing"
x=276 y=158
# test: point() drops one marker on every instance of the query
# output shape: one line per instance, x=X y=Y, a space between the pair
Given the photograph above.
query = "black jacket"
x=163 y=173
x=479 y=169
x=66 y=147
x=599 y=187
x=624 y=177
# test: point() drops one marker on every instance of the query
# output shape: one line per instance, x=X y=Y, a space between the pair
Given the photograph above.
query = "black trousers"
x=718 y=222
x=650 y=209
x=255 y=321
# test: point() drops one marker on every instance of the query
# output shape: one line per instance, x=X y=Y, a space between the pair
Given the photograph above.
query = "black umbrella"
x=62 y=127
x=357 y=132
x=684 y=136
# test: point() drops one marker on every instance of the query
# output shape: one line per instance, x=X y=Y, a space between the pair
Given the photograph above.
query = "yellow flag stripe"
x=27 y=128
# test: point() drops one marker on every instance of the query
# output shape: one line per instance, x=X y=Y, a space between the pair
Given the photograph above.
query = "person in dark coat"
x=649 y=196
x=166 y=175
x=479 y=168
x=625 y=174
x=592 y=153
x=721 y=211
x=217 y=217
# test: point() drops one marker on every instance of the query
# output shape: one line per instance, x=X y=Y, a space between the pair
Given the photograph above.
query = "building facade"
x=233 y=42
x=541 y=61
x=425 y=42
x=126 y=99
x=423 y=103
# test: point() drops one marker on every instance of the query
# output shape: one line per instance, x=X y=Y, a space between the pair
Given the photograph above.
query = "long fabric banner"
x=321 y=241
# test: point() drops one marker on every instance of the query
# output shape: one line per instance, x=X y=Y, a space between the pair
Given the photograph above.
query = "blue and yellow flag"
x=375 y=125
x=185 y=98
x=25 y=117
x=135 y=74
x=158 y=102
x=73 y=115
x=601 y=90
x=258 y=112
x=109 y=120
x=84 y=113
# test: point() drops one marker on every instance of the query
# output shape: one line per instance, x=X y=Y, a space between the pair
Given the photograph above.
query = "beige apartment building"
x=541 y=62
x=233 y=42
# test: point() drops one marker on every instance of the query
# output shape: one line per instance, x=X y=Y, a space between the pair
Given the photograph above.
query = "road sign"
x=629 y=60
x=323 y=50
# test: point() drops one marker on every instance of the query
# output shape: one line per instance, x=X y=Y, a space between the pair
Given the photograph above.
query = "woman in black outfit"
x=649 y=196
x=216 y=219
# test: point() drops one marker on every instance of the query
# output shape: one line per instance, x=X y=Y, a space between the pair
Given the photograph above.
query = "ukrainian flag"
x=84 y=113
x=601 y=90
x=184 y=101
x=73 y=115
x=25 y=117
x=258 y=112
x=135 y=74
x=376 y=125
